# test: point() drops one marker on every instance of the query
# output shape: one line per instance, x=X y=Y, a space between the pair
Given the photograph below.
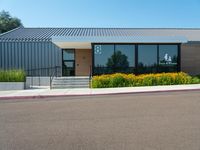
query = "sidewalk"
x=46 y=92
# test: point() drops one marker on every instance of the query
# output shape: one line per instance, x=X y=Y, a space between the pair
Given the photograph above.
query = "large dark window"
x=135 y=58
x=147 y=58
x=111 y=58
x=124 y=58
x=168 y=58
x=102 y=55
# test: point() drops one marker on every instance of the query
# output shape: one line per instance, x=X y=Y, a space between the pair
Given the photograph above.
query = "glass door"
x=68 y=62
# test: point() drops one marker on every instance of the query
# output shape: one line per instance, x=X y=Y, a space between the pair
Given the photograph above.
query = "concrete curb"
x=95 y=94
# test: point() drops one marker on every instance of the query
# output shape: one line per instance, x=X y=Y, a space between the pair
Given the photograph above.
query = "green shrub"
x=149 y=80
x=12 y=76
x=195 y=80
x=130 y=80
x=198 y=76
x=118 y=80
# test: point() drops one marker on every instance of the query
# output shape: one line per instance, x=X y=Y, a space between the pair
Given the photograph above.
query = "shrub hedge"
x=12 y=76
x=131 y=80
x=198 y=76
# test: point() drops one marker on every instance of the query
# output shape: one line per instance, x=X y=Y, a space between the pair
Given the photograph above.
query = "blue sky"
x=105 y=13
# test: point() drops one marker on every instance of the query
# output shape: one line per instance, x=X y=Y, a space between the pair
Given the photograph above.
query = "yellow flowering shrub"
x=131 y=80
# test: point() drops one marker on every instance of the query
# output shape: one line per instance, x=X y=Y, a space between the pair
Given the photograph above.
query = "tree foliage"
x=7 y=22
x=118 y=60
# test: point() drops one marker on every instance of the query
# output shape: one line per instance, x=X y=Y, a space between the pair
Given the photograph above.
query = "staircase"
x=70 y=82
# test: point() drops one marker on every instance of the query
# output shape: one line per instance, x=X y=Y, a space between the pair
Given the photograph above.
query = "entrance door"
x=68 y=62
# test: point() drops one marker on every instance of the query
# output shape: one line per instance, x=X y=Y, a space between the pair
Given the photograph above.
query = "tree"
x=8 y=22
x=118 y=60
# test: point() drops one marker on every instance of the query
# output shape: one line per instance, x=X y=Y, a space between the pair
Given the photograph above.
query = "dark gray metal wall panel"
x=1 y=56
x=43 y=60
x=52 y=60
x=13 y=55
x=46 y=56
x=33 y=56
x=22 y=55
x=50 y=55
x=43 y=55
x=4 y=56
x=9 y=56
x=39 y=54
x=54 y=54
x=26 y=56
x=9 y=49
x=30 y=55
x=28 y=51
x=18 y=61
x=17 y=58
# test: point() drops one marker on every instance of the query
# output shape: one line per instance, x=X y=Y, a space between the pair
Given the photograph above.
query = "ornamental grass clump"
x=12 y=76
x=131 y=80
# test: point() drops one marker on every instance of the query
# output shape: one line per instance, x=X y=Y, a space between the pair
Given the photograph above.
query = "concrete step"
x=71 y=78
x=69 y=86
x=70 y=82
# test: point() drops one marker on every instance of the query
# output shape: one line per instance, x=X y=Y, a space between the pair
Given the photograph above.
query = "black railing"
x=90 y=77
x=54 y=74
x=50 y=72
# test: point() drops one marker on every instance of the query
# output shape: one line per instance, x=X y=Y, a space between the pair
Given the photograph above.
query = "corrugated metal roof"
x=46 y=34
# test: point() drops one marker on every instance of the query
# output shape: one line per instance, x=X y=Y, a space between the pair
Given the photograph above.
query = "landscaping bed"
x=12 y=80
x=131 y=80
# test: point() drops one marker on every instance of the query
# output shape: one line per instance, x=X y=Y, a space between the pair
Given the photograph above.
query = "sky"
x=105 y=13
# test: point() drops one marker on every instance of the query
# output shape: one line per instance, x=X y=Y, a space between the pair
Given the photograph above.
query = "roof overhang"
x=84 y=42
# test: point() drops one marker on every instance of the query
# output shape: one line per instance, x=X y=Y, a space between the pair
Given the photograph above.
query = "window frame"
x=136 y=53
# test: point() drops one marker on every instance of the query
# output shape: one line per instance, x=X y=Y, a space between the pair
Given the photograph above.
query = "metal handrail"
x=38 y=71
x=90 y=76
x=54 y=73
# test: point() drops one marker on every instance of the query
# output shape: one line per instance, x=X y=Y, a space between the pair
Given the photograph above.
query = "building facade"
x=85 y=51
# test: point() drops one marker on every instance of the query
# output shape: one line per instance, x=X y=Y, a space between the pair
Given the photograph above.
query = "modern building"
x=85 y=51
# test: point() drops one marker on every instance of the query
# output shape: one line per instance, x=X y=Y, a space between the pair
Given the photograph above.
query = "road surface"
x=151 y=121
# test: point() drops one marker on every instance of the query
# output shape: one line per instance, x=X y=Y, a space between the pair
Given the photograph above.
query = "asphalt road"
x=159 y=121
